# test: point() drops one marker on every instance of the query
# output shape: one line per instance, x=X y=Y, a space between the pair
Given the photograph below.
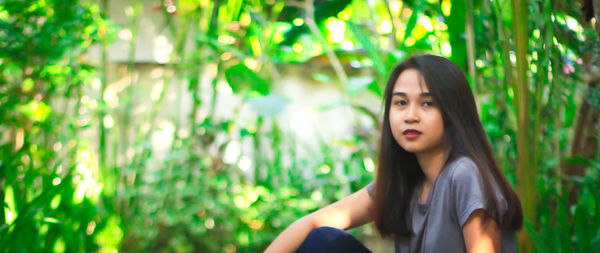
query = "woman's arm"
x=481 y=233
x=349 y=212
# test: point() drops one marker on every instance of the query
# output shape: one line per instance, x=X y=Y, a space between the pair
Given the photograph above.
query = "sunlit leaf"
x=35 y=110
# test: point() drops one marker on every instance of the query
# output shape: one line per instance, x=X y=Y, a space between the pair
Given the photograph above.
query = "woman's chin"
x=412 y=149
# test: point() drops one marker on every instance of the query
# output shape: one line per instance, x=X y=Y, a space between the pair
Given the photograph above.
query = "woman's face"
x=415 y=119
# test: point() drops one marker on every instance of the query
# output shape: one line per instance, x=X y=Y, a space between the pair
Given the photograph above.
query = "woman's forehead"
x=410 y=81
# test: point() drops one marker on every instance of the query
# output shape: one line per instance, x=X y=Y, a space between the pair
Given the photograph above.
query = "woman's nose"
x=412 y=114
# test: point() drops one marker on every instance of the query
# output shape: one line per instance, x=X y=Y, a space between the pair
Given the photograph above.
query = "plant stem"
x=335 y=62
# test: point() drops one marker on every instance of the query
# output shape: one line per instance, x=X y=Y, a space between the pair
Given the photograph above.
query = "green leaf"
x=372 y=50
x=331 y=106
x=35 y=110
x=27 y=85
x=218 y=46
x=412 y=20
x=243 y=80
x=577 y=160
x=12 y=72
x=456 y=31
x=51 y=220
x=324 y=78
x=270 y=105
x=376 y=88
x=358 y=84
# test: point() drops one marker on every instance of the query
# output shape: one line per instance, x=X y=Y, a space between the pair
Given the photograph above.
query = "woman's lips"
x=411 y=134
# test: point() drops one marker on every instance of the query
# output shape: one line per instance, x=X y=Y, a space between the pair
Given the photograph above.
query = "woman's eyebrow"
x=403 y=94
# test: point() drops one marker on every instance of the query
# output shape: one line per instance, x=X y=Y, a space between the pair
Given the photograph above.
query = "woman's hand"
x=349 y=212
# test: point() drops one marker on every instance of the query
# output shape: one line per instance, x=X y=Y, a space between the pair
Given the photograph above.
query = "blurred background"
x=210 y=126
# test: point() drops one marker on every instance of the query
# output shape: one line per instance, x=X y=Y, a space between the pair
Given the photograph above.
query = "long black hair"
x=399 y=172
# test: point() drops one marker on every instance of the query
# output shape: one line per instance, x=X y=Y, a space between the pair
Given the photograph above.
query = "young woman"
x=438 y=187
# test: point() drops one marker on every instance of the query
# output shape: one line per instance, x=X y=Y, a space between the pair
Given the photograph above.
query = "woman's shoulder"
x=462 y=169
x=465 y=178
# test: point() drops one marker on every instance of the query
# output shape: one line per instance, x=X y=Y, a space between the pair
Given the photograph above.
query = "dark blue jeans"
x=331 y=240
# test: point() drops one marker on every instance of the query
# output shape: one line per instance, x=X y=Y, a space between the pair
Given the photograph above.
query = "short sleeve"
x=371 y=189
x=467 y=190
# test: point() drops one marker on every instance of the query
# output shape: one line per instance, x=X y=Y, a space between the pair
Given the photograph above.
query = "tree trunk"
x=585 y=139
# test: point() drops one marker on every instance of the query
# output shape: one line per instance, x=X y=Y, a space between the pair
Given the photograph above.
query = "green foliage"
x=44 y=31
x=198 y=202
x=46 y=206
x=576 y=227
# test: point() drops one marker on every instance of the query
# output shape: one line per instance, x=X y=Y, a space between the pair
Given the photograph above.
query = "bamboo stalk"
x=392 y=35
x=102 y=159
x=526 y=172
x=182 y=38
x=539 y=80
x=555 y=90
x=125 y=126
x=138 y=161
x=596 y=6
x=312 y=26
x=277 y=167
x=134 y=27
x=469 y=28
x=212 y=32
x=258 y=161
x=270 y=48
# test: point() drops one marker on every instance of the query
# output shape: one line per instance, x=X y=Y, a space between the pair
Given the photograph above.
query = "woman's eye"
x=400 y=102
x=428 y=103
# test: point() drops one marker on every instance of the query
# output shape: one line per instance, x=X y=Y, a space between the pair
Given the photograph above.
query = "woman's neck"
x=432 y=164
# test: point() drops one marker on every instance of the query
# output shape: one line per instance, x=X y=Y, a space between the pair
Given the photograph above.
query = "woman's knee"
x=329 y=239
x=324 y=235
x=320 y=239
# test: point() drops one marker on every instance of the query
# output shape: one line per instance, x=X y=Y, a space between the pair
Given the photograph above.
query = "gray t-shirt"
x=437 y=223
